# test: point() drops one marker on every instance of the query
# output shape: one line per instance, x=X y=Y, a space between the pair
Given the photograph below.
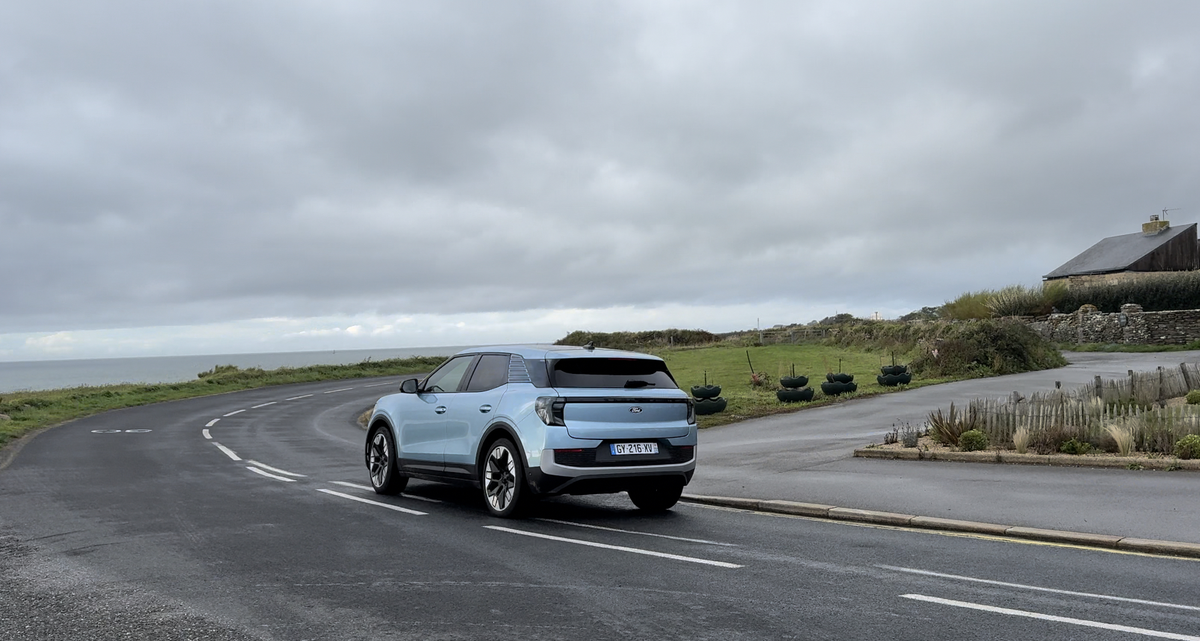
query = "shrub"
x=910 y=436
x=1193 y=397
x=1160 y=292
x=948 y=428
x=972 y=440
x=1188 y=447
x=640 y=341
x=1075 y=447
x=988 y=347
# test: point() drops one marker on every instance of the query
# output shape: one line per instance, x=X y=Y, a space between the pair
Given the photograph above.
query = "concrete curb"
x=1149 y=546
x=1001 y=456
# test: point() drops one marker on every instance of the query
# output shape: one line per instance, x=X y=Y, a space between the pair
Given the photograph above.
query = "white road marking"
x=274 y=469
x=296 y=398
x=269 y=475
x=212 y=422
x=1039 y=589
x=619 y=548
x=334 y=391
x=1050 y=617
x=613 y=529
x=371 y=489
x=264 y=405
x=379 y=384
x=206 y=434
x=375 y=503
x=228 y=452
x=235 y=412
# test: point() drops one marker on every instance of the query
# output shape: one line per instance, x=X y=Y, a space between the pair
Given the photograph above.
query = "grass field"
x=727 y=367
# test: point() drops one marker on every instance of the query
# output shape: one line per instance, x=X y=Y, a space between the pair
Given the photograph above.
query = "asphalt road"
x=806 y=456
x=135 y=524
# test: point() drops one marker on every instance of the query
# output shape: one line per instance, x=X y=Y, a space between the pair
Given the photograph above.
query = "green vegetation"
x=28 y=411
x=963 y=349
x=1193 y=397
x=972 y=441
x=1155 y=293
x=947 y=429
x=1123 y=347
x=1075 y=447
x=641 y=341
x=1188 y=447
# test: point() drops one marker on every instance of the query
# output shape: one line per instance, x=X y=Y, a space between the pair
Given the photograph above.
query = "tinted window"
x=490 y=373
x=538 y=374
x=625 y=373
x=447 y=377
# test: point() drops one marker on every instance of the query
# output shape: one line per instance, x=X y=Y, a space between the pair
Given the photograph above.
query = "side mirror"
x=409 y=386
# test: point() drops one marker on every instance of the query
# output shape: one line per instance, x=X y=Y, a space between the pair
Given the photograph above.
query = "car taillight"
x=550 y=409
x=691 y=412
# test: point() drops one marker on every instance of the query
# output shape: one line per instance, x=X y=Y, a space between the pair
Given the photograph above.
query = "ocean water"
x=43 y=375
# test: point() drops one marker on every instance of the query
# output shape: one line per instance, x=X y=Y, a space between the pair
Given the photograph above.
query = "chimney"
x=1155 y=226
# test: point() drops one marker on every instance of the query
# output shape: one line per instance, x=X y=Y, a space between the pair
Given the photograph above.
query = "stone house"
x=1158 y=248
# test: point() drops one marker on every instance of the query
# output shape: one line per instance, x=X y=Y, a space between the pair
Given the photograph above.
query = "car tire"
x=659 y=497
x=381 y=463
x=502 y=477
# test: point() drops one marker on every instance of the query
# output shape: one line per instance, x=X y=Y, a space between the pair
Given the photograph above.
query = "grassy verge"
x=726 y=366
x=29 y=411
x=1121 y=347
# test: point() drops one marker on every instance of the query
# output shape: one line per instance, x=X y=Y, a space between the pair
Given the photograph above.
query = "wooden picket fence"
x=1134 y=402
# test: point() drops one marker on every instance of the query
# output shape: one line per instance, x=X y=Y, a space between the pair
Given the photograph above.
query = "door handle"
x=440 y=409
x=485 y=408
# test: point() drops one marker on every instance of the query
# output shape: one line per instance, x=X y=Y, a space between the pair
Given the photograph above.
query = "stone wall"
x=1131 y=325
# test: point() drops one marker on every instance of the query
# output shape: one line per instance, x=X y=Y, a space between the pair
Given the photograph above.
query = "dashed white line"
x=375 y=503
x=212 y=422
x=1038 y=588
x=296 y=398
x=228 y=452
x=619 y=548
x=371 y=489
x=206 y=434
x=269 y=475
x=379 y=384
x=334 y=391
x=1050 y=617
x=235 y=412
x=613 y=529
x=264 y=405
x=274 y=469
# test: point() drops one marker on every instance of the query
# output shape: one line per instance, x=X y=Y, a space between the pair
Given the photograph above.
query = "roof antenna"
x=1165 y=210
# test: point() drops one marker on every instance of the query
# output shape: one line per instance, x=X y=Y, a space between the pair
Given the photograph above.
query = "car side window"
x=490 y=373
x=447 y=377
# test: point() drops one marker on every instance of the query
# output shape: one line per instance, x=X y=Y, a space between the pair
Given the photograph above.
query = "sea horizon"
x=28 y=376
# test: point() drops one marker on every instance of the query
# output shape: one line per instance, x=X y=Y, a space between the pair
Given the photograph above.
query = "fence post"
x=1187 y=378
x=1162 y=392
x=1098 y=387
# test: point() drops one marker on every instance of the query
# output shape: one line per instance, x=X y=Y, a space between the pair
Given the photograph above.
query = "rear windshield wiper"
x=633 y=384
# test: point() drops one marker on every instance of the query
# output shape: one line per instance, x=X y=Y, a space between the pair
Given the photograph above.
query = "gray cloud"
x=187 y=163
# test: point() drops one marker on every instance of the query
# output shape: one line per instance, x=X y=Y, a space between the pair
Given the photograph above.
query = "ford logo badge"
x=635 y=410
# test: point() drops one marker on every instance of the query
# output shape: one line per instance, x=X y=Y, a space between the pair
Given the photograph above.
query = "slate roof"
x=1116 y=253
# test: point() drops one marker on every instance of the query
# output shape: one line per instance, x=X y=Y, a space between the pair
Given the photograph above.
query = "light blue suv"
x=525 y=421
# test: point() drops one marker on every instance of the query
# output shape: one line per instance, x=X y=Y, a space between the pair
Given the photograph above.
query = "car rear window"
x=620 y=373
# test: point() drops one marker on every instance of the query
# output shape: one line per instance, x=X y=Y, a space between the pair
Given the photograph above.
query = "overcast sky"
x=212 y=177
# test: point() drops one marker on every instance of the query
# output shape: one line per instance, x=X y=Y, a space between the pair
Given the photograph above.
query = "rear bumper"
x=552 y=478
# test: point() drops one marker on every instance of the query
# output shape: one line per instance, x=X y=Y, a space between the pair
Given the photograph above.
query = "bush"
x=1161 y=292
x=988 y=347
x=1193 y=397
x=949 y=428
x=972 y=440
x=1188 y=447
x=641 y=341
x=1075 y=447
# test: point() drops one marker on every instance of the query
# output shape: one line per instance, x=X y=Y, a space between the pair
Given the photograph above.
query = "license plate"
x=621 y=449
